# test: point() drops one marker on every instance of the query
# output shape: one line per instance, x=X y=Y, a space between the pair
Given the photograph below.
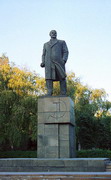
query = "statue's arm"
x=43 y=56
x=65 y=52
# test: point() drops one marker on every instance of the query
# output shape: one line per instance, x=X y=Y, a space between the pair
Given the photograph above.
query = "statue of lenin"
x=54 y=57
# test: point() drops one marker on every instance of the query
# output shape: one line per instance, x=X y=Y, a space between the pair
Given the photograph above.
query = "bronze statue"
x=54 y=57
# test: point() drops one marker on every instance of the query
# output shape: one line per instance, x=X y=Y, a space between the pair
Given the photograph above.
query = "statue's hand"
x=64 y=62
x=42 y=65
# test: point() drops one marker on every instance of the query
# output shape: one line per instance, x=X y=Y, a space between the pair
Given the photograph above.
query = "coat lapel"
x=52 y=43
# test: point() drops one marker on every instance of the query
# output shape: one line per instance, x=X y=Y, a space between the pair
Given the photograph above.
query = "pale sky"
x=85 y=25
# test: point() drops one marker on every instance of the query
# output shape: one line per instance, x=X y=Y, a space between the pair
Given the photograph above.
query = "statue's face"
x=53 y=34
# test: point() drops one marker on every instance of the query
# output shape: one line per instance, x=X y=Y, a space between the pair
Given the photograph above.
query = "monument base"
x=53 y=165
x=56 y=127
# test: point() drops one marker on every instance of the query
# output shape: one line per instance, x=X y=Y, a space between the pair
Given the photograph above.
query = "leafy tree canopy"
x=19 y=92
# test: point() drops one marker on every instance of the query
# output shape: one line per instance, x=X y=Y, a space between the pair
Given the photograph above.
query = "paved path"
x=55 y=175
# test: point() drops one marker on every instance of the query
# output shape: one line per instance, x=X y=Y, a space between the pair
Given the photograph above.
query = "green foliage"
x=18 y=117
x=18 y=154
x=18 y=107
x=19 y=91
x=96 y=153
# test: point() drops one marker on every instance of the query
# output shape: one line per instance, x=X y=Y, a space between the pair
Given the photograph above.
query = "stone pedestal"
x=56 y=127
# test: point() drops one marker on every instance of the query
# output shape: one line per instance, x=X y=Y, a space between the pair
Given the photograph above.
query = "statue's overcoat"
x=55 y=54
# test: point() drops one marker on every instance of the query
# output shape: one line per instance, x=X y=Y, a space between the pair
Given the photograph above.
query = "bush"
x=96 y=153
x=18 y=154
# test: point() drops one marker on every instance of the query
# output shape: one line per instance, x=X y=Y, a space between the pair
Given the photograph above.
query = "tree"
x=18 y=106
x=19 y=92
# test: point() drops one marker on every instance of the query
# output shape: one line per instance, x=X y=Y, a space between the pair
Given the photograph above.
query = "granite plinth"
x=56 y=127
x=53 y=165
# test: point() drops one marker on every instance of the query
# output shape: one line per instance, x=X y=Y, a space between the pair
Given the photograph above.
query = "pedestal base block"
x=56 y=127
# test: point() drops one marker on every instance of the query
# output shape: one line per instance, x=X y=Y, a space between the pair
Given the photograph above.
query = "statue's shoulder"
x=47 y=43
x=61 y=41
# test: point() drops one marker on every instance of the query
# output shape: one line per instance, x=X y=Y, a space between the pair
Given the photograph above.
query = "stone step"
x=55 y=176
x=53 y=165
x=108 y=167
x=108 y=170
x=109 y=163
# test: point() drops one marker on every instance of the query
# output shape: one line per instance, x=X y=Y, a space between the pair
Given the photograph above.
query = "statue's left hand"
x=42 y=65
x=64 y=62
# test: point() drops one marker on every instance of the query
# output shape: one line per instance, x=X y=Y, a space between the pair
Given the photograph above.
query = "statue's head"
x=53 y=34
